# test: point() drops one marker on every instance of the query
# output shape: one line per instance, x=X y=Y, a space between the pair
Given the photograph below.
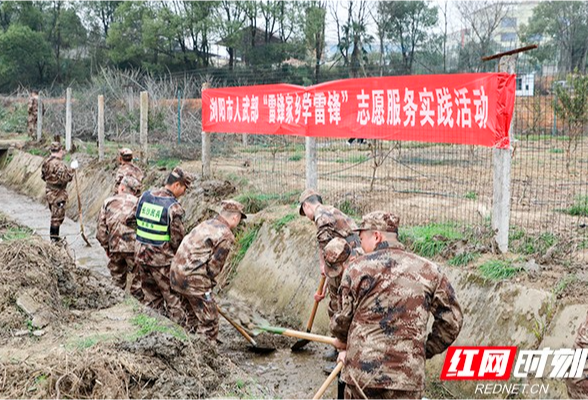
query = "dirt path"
x=281 y=374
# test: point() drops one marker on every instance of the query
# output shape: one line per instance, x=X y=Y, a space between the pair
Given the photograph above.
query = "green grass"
x=167 y=163
x=255 y=202
x=556 y=151
x=243 y=242
x=430 y=240
x=282 y=222
x=563 y=283
x=464 y=259
x=147 y=324
x=497 y=270
x=296 y=157
x=579 y=208
x=38 y=152
x=356 y=159
x=15 y=120
x=237 y=179
x=471 y=195
x=528 y=245
x=350 y=209
x=17 y=233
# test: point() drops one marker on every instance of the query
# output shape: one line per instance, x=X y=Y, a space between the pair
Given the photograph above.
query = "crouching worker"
x=387 y=297
x=117 y=239
x=198 y=261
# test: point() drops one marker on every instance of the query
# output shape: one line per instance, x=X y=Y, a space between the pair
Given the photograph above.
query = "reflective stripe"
x=151 y=227
x=153 y=236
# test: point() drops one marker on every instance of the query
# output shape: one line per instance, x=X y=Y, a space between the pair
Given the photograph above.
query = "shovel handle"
x=328 y=381
x=316 y=303
x=309 y=336
x=238 y=327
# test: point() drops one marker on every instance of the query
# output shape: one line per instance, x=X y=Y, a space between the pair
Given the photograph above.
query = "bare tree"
x=481 y=19
x=352 y=35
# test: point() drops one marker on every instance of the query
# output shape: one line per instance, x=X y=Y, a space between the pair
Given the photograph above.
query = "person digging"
x=331 y=224
x=198 y=261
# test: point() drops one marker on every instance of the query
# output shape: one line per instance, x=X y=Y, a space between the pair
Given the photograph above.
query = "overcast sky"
x=341 y=8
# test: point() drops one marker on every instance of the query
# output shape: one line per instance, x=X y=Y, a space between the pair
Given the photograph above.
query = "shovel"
x=298 y=334
x=254 y=347
x=299 y=345
x=80 y=210
x=328 y=381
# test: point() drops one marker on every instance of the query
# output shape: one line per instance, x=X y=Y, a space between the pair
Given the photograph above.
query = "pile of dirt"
x=40 y=285
x=155 y=366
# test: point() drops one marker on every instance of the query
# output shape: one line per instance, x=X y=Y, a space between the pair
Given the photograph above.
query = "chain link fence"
x=422 y=182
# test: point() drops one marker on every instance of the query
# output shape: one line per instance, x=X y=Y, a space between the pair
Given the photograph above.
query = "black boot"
x=54 y=233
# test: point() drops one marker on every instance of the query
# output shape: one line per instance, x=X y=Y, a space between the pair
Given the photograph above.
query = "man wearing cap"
x=331 y=225
x=387 y=296
x=56 y=176
x=127 y=168
x=198 y=262
x=117 y=239
x=160 y=231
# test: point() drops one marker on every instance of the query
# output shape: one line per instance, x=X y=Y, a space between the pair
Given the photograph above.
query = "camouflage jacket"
x=386 y=299
x=331 y=224
x=112 y=232
x=203 y=253
x=55 y=173
x=128 y=169
x=161 y=256
x=33 y=106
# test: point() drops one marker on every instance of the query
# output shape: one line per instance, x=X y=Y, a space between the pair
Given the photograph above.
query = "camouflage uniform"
x=127 y=168
x=386 y=297
x=578 y=388
x=197 y=263
x=56 y=175
x=154 y=260
x=331 y=224
x=118 y=240
x=33 y=109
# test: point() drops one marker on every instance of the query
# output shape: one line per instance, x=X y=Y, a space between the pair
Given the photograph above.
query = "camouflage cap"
x=125 y=151
x=55 y=147
x=336 y=252
x=379 y=221
x=233 y=206
x=131 y=183
x=184 y=177
x=304 y=196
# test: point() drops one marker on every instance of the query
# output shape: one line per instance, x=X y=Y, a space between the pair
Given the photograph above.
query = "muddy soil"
x=85 y=339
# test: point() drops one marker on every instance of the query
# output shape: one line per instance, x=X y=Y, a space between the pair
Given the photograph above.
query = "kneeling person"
x=117 y=239
x=198 y=261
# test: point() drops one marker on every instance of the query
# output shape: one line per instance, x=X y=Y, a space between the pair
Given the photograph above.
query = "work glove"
x=75 y=164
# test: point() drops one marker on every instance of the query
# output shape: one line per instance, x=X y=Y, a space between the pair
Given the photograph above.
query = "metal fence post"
x=311 y=163
x=68 y=120
x=143 y=126
x=39 y=119
x=205 y=146
x=101 y=127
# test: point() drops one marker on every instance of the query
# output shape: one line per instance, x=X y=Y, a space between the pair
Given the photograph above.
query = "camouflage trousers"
x=56 y=198
x=120 y=266
x=202 y=315
x=333 y=289
x=32 y=126
x=577 y=388
x=199 y=305
x=352 y=392
x=157 y=292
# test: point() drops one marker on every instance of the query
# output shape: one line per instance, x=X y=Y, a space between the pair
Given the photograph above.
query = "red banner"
x=474 y=109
